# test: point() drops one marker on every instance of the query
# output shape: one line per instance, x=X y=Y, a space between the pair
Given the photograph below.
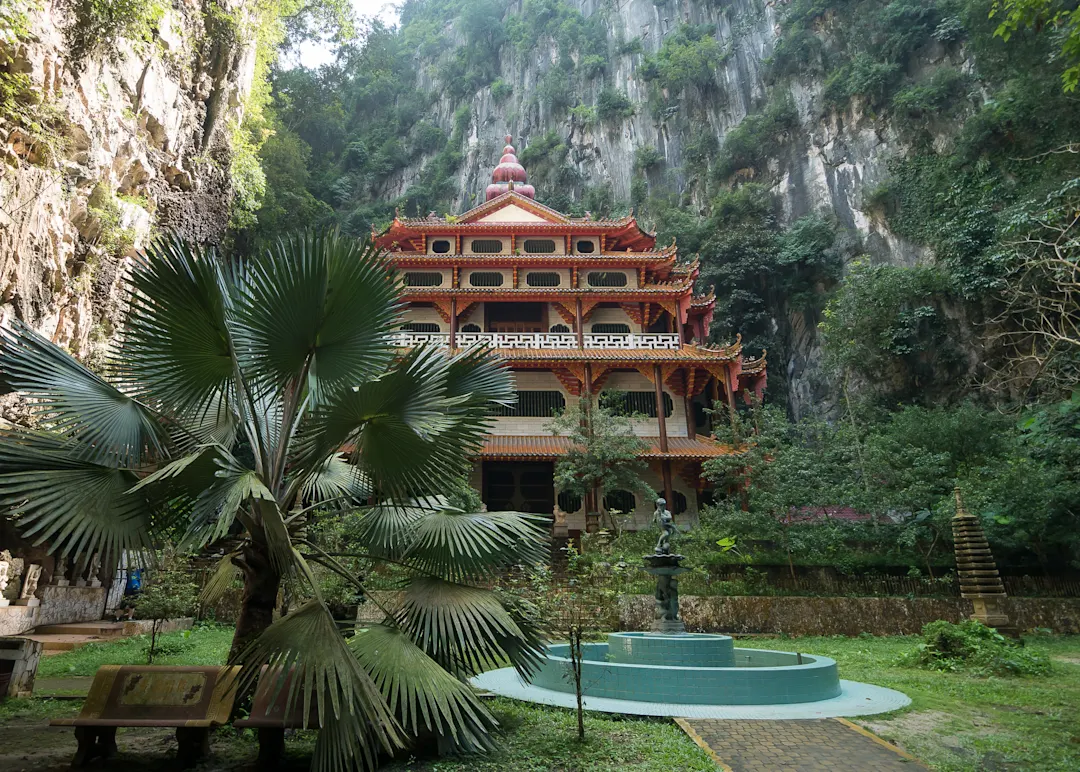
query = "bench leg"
x=271 y=747
x=193 y=743
x=94 y=742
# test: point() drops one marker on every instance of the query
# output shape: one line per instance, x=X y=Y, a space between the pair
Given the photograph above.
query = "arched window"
x=440 y=247
x=534 y=404
x=611 y=328
x=643 y=402
x=584 y=247
x=423 y=279
x=542 y=279
x=420 y=327
x=569 y=502
x=621 y=500
x=471 y=328
x=485 y=279
x=606 y=279
x=678 y=503
x=538 y=246
x=487 y=246
x=560 y=328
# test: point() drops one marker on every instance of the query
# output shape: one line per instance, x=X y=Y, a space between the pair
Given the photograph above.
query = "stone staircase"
x=55 y=639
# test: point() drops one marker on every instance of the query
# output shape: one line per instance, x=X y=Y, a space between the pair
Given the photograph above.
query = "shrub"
x=501 y=90
x=647 y=157
x=975 y=648
x=100 y=25
x=613 y=104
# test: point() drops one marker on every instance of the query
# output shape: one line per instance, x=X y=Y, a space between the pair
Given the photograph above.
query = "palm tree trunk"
x=261 y=584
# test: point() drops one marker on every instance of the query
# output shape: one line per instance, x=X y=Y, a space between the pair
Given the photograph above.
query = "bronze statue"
x=667 y=527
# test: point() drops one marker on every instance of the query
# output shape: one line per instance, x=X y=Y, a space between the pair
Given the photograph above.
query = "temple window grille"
x=539 y=246
x=440 y=247
x=543 y=279
x=423 y=279
x=677 y=505
x=471 y=328
x=585 y=247
x=560 y=328
x=621 y=500
x=606 y=279
x=569 y=502
x=611 y=328
x=534 y=404
x=420 y=327
x=485 y=279
x=642 y=402
x=487 y=246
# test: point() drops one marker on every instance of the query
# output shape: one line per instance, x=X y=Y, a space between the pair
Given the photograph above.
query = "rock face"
x=138 y=141
x=827 y=164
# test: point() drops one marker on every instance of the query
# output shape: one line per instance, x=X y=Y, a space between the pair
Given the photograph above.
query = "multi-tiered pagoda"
x=576 y=306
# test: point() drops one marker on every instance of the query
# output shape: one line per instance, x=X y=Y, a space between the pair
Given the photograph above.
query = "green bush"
x=100 y=25
x=613 y=104
x=501 y=90
x=974 y=648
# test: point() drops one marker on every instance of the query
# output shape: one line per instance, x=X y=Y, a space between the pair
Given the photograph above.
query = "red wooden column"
x=580 y=325
x=691 y=425
x=592 y=499
x=453 y=322
x=665 y=465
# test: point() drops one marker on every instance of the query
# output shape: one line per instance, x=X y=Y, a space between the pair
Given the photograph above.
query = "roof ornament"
x=509 y=175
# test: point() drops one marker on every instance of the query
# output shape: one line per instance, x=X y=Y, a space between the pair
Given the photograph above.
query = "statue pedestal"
x=666 y=569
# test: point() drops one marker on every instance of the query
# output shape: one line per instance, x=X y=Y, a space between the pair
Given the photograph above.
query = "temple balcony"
x=541 y=340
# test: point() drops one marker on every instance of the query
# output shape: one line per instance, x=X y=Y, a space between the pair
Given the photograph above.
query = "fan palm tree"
x=245 y=395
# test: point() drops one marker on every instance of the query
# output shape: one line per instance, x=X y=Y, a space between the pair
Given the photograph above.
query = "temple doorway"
x=522 y=487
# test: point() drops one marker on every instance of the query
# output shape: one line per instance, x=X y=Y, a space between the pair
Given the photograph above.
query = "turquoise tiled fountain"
x=691 y=669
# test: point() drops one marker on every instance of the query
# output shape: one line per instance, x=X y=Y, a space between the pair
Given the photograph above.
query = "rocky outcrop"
x=137 y=141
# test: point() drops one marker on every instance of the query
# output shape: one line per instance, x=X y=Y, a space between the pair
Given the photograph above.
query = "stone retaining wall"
x=840 y=616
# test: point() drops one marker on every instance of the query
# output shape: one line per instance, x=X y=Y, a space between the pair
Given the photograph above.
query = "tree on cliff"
x=247 y=394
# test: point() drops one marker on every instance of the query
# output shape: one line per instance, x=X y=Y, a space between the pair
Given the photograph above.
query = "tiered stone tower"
x=979 y=579
x=575 y=305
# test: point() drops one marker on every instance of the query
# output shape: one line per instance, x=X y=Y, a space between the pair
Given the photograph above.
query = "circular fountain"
x=669 y=672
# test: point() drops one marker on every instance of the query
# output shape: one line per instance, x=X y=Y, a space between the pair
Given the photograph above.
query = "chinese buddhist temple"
x=576 y=306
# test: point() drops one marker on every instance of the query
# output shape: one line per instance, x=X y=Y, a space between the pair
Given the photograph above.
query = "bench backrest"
x=171 y=695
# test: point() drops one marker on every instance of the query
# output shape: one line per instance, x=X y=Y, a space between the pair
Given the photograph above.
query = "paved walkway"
x=816 y=745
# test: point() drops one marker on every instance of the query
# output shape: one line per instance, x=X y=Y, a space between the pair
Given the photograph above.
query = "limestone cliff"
x=119 y=145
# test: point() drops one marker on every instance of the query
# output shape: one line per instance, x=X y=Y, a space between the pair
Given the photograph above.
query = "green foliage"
x=21 y=104
x=112 y=235
x=613 y=105
x=885 y=325
x=758 y=137
x=169 y=594
x=688 y=57
x=939 y=95
x=971 y=646
x=99 y=26
x=501 y=90
x=1059 y=15
x=647 y=157
x=605 y=451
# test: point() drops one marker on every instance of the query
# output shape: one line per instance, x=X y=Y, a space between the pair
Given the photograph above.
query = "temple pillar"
x=691 y=424
x=453 y=322
x=661 y=418
x=578 y=321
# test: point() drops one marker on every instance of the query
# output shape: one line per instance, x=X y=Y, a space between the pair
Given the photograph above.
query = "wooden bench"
x=270 y=718
x=191 y=699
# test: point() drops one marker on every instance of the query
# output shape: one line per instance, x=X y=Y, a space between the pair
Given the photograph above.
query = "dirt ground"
x=31 y=745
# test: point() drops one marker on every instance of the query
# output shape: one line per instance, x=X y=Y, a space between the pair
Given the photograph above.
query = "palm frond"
x=225 y=573
x=481 y=377
x=177 y=348
x=218 y=500
x=61 y=497
x=465 y=629
x=111 y=427
x=325 y=675
x=321 y=302
x=336 y=478
x=388 y=529
x=420 y=693
x=460 y=547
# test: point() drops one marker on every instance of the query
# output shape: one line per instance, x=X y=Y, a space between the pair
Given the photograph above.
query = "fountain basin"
x=633 y=666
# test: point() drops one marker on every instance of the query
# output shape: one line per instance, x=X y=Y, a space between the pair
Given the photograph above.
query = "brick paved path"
x=818 y=745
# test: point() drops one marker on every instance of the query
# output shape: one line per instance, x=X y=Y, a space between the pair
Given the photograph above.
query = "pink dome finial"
x=509 y=175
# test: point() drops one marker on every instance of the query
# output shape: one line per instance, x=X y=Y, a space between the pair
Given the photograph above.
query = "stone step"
x=99 y=629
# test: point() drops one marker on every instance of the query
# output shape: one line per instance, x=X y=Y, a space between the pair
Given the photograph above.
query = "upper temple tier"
x=575 y=306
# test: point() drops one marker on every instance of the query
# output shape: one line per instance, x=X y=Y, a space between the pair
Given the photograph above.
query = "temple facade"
x=576 y=306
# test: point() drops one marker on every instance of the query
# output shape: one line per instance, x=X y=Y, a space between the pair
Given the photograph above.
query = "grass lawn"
x=963 y=723
x=202 y=645
x=956 y=723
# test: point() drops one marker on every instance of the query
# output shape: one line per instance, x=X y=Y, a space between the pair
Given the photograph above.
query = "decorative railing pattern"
x=541 y=340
